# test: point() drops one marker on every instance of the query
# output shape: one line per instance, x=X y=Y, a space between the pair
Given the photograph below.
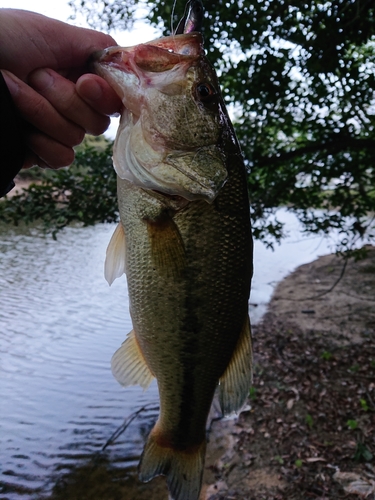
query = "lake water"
x=60 y=323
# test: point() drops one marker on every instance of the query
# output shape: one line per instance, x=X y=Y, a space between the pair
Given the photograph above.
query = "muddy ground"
x=309 y=430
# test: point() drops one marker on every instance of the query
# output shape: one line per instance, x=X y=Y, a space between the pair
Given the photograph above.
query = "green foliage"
x=301 y=79
x=104 y=14
x=253 y=393
x=84 y=193
x=326 y=355
x=362 y=453
x=364 y=404
x=309 y=420
x=279 y=460
x=352 y=424
x=354 y=368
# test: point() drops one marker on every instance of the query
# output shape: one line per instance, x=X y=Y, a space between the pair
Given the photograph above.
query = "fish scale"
x=185 y=244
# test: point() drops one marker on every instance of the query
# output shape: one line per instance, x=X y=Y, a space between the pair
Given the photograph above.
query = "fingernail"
x=41 y=79
x=11 y=83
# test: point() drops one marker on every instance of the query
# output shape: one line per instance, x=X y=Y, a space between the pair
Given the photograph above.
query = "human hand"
x=50 y=86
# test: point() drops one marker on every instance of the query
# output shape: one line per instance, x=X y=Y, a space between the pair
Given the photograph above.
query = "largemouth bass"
x=184 y=242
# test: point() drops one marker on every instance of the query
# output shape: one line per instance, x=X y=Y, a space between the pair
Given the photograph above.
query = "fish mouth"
x=156 y=55
x=149 y=159
x=147 y=64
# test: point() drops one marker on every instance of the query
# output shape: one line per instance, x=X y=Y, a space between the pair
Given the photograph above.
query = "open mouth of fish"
x=147 y=152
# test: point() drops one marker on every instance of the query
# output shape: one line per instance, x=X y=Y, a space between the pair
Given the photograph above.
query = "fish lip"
x=187 y=45
x=99 y=57
x=184 y=43
x=106 y=57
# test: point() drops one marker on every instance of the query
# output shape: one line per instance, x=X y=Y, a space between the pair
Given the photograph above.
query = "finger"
x=48 y=43
x=51 y=153
x=61 y=93
x=98 y=94
x=38 y=111
x=32 y=160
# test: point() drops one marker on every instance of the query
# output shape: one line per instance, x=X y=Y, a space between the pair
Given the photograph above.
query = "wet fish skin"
x=159 y=89
x=186 y=248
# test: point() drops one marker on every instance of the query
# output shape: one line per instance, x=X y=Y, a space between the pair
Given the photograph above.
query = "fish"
x=184 y=242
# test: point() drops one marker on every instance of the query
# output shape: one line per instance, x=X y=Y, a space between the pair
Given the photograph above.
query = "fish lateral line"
x=183 y=203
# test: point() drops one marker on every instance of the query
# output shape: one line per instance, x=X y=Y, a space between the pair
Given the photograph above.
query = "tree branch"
x=331 y=147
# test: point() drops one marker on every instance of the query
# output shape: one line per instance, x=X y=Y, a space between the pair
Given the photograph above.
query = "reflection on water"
x=270 y=267
x=60 y=323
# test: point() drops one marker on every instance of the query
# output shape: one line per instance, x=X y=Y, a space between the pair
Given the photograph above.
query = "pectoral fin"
x=128 y=364
x=167 y=247
x=114 y=266
x=235 y=383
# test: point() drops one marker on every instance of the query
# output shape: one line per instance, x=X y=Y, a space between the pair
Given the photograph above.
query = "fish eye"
x=205 y=90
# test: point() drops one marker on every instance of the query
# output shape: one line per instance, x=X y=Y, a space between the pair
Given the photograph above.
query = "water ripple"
x=60 y=323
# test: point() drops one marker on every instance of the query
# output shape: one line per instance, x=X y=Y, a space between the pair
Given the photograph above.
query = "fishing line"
x=172 y=15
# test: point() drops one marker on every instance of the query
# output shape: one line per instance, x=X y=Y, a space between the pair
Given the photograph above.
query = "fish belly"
x=188 y=273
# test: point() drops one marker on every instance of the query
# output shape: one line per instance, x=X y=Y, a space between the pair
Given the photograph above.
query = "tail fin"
x=183 y=469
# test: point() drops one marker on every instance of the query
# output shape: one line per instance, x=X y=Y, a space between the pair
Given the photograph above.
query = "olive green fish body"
x=189 y=304
x=185 y=244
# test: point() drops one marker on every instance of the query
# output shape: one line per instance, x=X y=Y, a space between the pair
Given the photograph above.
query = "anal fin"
x=235 y=382
x=128 y=364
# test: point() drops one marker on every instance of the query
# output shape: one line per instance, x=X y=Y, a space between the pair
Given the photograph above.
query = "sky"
x=59 y=9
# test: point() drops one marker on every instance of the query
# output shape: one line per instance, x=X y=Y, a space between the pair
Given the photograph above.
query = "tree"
x=300 y=80
x=84 y=193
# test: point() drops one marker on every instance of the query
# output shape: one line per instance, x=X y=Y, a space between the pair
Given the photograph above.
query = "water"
x=270 y=267
x=60 y=323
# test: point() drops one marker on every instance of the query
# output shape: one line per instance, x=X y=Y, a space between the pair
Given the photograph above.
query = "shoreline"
x=306 y=325
x=314 y=364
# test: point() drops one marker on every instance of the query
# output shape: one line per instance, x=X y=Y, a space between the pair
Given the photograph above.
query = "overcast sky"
x=59 y=9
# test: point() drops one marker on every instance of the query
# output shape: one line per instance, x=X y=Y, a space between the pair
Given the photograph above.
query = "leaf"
x=361 y=487
x=290 y=404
